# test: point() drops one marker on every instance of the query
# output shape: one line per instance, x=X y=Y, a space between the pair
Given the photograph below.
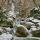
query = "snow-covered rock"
x=33 y=26
x=31 y=18
x=30 y=24
x=8 y=29
x=28 y=19
x=33 y=29
x=35 y=20
x=22 y=22
x=6 y=36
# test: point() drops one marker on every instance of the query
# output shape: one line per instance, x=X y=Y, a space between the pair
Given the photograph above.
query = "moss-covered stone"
x=36 y=33
x=21 y=31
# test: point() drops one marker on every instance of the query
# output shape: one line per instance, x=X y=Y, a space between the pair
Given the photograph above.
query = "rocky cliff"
x=22 y=7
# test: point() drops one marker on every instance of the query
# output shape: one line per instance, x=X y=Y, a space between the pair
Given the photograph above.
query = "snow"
x=5 y=36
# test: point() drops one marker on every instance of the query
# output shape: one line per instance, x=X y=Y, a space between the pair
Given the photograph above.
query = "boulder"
x=8 y=29
x=33 y=26
x=21 y=31
x=33 y=29
x=36 y=33
x=36 y=21
x=6 y=36
x=30 y=23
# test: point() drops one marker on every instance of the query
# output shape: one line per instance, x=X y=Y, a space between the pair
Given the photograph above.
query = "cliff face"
x=5 y=4
x=24 y=7
x=21 y=6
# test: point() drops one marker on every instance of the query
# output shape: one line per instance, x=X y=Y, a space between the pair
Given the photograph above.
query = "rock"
x=29 y=19
x=1 y=31
x=4 y=30
x=30 y=23
x=8 y=29
x=22 y=22
x=37 y=2
x=38 y=28
x=38 y=24
x=6 y=36
x=11 y=31
x=21 y=31
x=22 y=19
x=36 y=33
x=33 y=29
x=33 y=26
x=35 y=20
x=24 y=6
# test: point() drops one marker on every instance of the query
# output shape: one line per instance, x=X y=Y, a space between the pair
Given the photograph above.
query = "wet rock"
x=36 y=33
x=21 y=31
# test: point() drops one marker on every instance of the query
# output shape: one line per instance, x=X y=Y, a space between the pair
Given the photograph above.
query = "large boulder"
x=21 y=31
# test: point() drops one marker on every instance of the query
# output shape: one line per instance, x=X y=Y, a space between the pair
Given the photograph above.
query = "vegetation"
x=4 y=18
x=35 y=12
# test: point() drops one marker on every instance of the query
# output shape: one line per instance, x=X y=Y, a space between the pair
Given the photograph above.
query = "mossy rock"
x=36 y=33
x=6 y=24
x=35 y=12
x=21 y=31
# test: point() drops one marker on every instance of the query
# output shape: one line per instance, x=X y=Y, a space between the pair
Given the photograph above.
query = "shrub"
x=35 y=12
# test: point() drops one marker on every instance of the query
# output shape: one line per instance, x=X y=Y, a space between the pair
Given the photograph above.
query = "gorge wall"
x=22 y=7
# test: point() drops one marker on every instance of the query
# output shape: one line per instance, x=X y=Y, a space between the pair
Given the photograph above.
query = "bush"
x=4 y=18
x=35 y=12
